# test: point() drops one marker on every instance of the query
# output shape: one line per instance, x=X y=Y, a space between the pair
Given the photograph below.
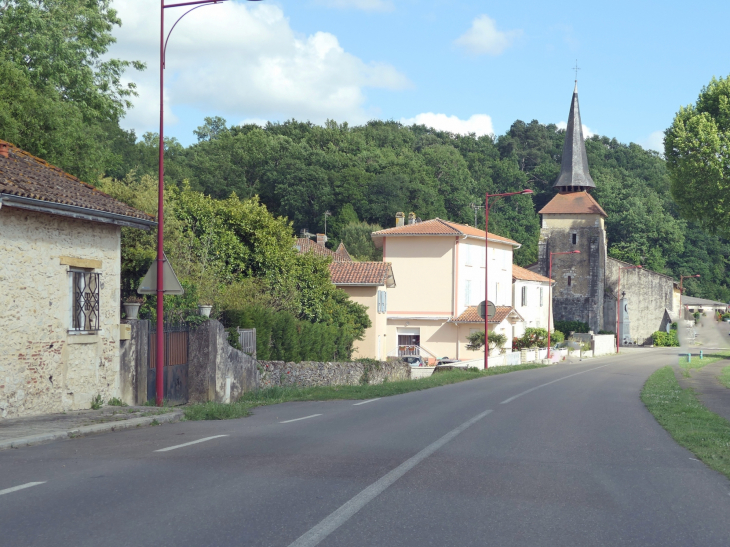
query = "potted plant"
x=204 y=308
x=131 y=306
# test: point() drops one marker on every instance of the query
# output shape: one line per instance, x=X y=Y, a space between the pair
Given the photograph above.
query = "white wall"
x=534 y=314
x=470 y=273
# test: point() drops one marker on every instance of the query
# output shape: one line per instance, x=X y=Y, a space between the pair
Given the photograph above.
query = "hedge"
x=282 y=337
x=566 y=327
x=665 y=339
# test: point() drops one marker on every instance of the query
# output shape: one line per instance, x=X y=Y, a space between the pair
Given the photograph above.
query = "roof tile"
x=526 y=275
x=471 y=315
x=24 y=175
x=306 y=245
x=362 y=273
x=439 y=227
x=573 y=203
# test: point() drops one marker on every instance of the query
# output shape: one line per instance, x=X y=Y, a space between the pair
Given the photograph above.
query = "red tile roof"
x=471 y=315
x=306 y=245
x=25 y=176
x=526 y=275
x=573 y=203
x=439 y=227
x=362 y=273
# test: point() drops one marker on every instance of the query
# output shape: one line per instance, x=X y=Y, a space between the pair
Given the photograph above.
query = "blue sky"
x=462 y=65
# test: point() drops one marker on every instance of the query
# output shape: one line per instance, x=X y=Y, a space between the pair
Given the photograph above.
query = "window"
x=84 y=301
x=468 y=253
x=524 y=296
x=382 y=301
x=541 y=297
x=575 y=238
x=570 y=280
x=467 y=292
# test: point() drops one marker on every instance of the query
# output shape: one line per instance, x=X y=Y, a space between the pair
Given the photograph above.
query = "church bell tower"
x=574 y=221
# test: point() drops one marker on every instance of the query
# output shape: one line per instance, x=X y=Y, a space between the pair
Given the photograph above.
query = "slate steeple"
x=574 y=175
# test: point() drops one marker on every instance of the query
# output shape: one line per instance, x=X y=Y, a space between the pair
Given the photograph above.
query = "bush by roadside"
x=665 y=339
x=704 y=433
x=275 y=395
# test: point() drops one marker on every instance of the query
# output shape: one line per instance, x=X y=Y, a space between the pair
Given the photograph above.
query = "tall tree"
x=697 y=148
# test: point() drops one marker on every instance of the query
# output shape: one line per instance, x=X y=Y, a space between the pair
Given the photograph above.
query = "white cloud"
x=365 y=5
x=245 y=62
x=483 y=38
x=481 y=124
x=655 y=141
x=587 y=133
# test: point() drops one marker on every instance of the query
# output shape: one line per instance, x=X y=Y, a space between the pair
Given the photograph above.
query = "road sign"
x=170 y=282
x=487 y=308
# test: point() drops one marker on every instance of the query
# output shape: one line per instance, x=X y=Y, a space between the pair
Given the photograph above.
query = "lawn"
x=275 y=395
x=704 y=433
x=698 y=363
x=725 y=377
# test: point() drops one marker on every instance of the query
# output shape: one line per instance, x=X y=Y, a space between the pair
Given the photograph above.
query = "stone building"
x=587 y=281
x=60 y=261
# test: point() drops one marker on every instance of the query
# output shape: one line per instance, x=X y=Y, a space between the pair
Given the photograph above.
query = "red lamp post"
x=618 y=300
x=160 y=350
x=486 y=266
x=681 y=290
x=550 y=290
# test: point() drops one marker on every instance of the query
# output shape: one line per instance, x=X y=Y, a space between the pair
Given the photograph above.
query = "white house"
x=531 y=297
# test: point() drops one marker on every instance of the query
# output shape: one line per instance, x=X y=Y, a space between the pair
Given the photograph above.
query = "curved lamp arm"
x=164 y=49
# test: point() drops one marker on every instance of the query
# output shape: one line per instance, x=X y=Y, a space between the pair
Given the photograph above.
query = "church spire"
x=574 y=176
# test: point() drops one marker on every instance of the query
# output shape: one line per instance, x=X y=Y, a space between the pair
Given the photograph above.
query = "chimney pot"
x=321 y=239
x=411 y=218
x=399 y=219
x=4 y=149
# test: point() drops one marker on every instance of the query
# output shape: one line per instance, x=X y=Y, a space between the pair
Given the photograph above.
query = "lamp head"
x=575 y=252
x=528 y=191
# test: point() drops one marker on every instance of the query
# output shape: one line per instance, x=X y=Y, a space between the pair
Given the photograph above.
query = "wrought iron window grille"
x=85 y=296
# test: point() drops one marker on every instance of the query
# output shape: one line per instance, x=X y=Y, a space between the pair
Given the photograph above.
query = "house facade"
x=440 y=266
x=368 y=283
x=60 y=255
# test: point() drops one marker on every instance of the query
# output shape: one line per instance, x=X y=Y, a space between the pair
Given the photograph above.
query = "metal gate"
x=247 y=340
x=175 y=371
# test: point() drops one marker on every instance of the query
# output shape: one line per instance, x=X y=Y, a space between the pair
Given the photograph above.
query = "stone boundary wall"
x=310 y=373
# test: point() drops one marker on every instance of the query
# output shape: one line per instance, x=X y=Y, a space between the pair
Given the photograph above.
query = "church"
x=607 y=294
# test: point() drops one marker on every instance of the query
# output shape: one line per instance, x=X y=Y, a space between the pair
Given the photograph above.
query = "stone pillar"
x=134 y=362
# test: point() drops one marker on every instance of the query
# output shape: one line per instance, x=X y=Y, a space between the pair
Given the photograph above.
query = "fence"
x=176 y=345
x=247 y=340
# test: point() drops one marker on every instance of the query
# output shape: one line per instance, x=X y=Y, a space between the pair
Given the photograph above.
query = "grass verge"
x=704 y=433
x=725 y=377
x=276 y=395
x=698 y=363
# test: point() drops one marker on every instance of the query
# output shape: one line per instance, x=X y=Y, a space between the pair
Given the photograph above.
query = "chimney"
x=321 y=239
x=411 y=218
x=399 y=218
x=4 y=149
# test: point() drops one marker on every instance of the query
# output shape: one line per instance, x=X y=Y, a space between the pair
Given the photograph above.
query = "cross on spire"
x=576 y=68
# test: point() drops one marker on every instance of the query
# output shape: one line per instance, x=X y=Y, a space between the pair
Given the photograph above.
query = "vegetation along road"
x=564 y=455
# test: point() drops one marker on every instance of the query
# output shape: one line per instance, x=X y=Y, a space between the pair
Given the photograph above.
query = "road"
x=565 y=455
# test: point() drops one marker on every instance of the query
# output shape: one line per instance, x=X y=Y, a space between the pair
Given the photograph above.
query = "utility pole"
x=476 y=210
x=326 y=214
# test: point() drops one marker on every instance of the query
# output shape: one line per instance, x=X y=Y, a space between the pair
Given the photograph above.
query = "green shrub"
x=665 y=339
x=556 y=337
x=571 y=326
x=606 y=332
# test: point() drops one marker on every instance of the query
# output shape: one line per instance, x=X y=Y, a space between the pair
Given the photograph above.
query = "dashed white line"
x=346 y=511
x=188 y=444
x=297 y=419
x=366 y=402
x=548 y=383
x=21 y=487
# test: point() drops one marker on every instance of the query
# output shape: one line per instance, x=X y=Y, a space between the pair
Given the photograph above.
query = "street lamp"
x=550 y=290
x=160 y=353
x=681 y=290
x=618 y=300
x=486 y=266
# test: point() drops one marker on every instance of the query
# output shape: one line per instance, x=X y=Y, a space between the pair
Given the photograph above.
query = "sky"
x=459 y=65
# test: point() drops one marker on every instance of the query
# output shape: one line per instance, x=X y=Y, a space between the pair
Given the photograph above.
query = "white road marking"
x=297 y=419
x=547 y=384
x=694 y=459
x=346 y=511
x=366 y=402
x=21 y=487
x=188 y=444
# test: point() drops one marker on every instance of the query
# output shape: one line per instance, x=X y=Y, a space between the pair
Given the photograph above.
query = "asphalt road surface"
x=565 y=455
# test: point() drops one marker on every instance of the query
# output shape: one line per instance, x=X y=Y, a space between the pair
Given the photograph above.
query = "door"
x=175 y=372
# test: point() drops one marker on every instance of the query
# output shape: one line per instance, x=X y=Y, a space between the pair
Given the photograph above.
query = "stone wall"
x=648 y=293
x=134 y=362
x=43 y=367
x=279 y=373
x=217 y=371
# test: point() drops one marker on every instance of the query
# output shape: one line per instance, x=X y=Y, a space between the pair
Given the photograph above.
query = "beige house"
x=531 y=297
x=368 y=283
x=440 y=267
x=60 y=272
